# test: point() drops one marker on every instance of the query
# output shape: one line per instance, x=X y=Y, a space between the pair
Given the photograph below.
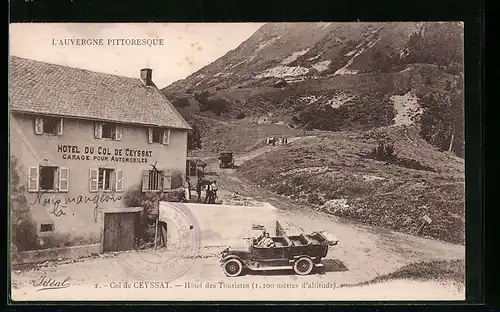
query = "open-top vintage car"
x=302 y=253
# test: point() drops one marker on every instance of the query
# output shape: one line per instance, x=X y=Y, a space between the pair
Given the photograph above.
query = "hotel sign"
x=99 y=153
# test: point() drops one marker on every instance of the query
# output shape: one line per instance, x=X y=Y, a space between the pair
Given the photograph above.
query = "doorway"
x=120 y=231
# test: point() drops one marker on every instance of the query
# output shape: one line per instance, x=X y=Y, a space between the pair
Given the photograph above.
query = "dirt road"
x=363 y=253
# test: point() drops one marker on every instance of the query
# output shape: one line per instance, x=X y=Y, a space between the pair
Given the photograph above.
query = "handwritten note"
x=55 y=203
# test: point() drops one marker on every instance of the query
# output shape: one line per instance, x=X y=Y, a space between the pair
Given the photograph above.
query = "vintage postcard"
x=237 y=161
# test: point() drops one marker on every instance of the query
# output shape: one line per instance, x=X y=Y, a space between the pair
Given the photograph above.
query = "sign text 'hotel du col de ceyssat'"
x=99 y=153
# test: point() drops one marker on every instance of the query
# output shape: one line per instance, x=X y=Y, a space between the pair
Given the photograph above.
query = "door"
x=127 y=227
x=119 y=231
x=267 y=253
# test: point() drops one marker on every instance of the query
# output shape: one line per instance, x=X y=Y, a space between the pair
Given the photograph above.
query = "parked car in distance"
x=226 y=160
x=301 y=253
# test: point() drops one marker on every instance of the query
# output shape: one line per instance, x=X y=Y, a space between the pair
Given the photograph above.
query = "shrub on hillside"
x=280 y=83
x=240 y=115
x=202 y=99
x=218 y=105
x=181 y=102
x=383 y=151
x=412 y=164
x=386 y=152
x=384 y=61
x=442 y=121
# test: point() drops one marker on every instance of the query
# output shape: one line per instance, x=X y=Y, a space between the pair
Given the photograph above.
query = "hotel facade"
x=84 y=139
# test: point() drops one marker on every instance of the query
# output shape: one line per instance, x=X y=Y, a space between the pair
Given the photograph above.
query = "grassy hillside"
x=333 y=173
x=235 y=135
x=438 y=270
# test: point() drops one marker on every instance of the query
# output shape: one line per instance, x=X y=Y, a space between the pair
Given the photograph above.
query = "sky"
x=186 y=48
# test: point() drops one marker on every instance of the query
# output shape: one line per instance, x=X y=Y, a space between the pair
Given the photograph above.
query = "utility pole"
x=157 y=206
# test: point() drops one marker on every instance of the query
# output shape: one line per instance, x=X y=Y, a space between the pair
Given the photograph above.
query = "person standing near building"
x=213 y=188
x=198 y=191
x=208 y=193
x=187 y=187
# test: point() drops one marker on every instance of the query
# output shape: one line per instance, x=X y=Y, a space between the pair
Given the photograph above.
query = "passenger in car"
x=260 y=238
x=266 y=241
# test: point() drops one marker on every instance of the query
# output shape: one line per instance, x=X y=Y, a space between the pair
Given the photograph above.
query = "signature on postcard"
x=46 y=283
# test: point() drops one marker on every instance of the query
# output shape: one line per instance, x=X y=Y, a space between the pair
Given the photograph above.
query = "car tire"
x=233 y=267
x=303 y=266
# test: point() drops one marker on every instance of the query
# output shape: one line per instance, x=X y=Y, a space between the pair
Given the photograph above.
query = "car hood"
x=240 y=247
x=237 y=250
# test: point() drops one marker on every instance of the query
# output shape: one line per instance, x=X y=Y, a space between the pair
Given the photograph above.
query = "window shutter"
x=166 y=136
x=33 y=179
x=145 y=180
x=93 y=179
x=119 y=180
x=167 y=181
x=63 y=179
x=150 y=134
x=38 y=125
x=118 y=133
x=60 y=127
x=98 y=130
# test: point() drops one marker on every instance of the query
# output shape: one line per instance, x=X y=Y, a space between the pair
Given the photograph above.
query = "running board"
x=285 y=267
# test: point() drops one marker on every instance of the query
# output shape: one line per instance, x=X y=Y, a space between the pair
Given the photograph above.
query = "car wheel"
x=303 y=266
x=233 y=267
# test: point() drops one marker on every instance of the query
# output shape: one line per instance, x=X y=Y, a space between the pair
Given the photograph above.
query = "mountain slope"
x=334 y=173
x=339 y=76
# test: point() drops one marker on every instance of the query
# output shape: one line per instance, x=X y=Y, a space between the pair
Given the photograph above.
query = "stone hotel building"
x=82 y=139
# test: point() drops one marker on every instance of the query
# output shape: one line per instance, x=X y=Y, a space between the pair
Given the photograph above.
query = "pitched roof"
x=43 y=88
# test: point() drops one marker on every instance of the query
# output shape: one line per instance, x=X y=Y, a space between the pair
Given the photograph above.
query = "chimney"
x=147 y=76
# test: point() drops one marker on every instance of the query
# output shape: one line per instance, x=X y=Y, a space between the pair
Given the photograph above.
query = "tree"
x=194 y=137
x=180 y=102
x=384 y=61
x=437 y=43
x=202 y=99
x=442 y=121
x=218 y=105
x=23 y=228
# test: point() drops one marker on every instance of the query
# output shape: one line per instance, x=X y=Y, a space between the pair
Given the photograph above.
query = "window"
x=105 y=176
x=105 y=179
x=48 y=125
x=159 y=136
x=48 y=178
x=108 y=131
x=156 y=180
x=46 y=227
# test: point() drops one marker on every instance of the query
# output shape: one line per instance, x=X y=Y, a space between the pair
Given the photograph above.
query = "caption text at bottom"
x=213 y=285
